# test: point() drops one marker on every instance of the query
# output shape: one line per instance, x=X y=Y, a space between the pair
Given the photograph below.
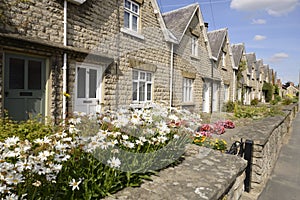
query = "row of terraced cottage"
x=61 y=56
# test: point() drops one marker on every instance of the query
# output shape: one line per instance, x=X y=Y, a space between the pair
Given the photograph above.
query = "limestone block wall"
x=204 y=174
x=268 y=136
x=94 y=27
x=187 y=65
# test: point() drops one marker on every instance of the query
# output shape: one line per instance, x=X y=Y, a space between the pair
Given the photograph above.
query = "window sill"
x=132 y=33
x=139 y=105
x=195 y=57
x=187 y=104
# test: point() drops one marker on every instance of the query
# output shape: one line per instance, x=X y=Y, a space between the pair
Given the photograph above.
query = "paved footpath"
x=284 y=183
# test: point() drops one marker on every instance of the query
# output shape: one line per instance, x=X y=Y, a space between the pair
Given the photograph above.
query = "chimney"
x=206 y=26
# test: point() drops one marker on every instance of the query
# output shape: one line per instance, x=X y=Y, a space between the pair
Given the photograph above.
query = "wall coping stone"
x=203 y=174
x=260 y=131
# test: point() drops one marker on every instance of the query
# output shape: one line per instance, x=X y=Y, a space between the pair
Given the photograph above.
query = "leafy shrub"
x=278 y=98
x=229 y=106
x=268 y=89
x=254 y=102
x=274 y=102
x=256 y=112
x=287 y=101
x=30 y=129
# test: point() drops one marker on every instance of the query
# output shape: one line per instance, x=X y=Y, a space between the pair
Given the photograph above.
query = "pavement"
x=284 y=183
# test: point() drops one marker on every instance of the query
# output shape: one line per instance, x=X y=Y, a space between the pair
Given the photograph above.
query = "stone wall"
x=203 y=174
x=267 y=135
x=94 y=27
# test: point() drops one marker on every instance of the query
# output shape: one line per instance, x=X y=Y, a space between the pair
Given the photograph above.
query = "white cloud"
x=259 y=21
x=273 y=7
x=278 y=57
x=259 y=37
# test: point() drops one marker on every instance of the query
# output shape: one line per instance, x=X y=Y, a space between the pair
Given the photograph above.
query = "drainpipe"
x=64 y=105
x=233 y=86
x=171 y=73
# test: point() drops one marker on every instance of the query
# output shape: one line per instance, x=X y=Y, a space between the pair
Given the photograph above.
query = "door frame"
x=46 y=74
x=100 y=71
x=206 y=99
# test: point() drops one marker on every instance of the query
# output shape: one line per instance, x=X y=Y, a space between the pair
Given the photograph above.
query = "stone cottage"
x=251 y=66
x=223 y=61
x=192 y=63
x=60 y=56
x=259 y=80
x=240 y=70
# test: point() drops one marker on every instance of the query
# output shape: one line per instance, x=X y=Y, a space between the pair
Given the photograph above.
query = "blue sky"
x=270 y=28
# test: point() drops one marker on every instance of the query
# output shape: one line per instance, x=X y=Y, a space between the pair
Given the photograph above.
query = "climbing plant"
x=242 y=67
x=268 y=88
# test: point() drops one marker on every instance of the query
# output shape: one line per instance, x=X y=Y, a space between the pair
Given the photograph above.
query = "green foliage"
x=269 y=90
x=242 y=67
x=212 y=143
x=256 y=112
x=100 y=154
x=254 y=102
x=287 y=101
x=30 y=129
x=229 y=106
x=276 y=100
x=276 y=90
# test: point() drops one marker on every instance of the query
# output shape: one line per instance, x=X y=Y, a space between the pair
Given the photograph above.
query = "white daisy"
x=114 y=162
x=74 y=184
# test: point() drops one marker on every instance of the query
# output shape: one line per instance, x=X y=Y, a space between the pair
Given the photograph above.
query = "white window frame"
x=187 y=90
x=142 y=78
x=223 y=59
x=132 y=13
x=226 y=93
x=195 y=45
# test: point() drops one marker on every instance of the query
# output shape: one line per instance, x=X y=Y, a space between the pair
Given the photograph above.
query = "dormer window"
x=131 y=15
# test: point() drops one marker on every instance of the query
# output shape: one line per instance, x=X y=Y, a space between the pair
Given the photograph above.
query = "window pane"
x=34 y=75
x=16 y=73
x=93 y=83
x=127 y=4
x=81 y=81
x=149 y=88
x=134 y=92
x=135 y=75
x=126 y=20
x=135 y=8
x=142 y=91
x=134 y=23
x=149 y=77
x=142 y=75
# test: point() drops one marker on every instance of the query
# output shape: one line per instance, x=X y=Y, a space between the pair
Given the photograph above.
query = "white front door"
x=88 y=88
x=206 y=91
x=215 y=97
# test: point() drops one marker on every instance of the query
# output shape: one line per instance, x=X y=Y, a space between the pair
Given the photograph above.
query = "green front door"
x=25 y=85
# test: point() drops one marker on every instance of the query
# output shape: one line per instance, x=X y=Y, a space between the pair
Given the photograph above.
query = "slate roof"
x=216 y=40
x=237 y=53
x=259 y=65
x=178 y=20
x=251 y=59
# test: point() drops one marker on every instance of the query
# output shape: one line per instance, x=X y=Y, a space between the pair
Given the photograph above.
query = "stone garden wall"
x=208 y=174
x=203 y=174
x=267 y=135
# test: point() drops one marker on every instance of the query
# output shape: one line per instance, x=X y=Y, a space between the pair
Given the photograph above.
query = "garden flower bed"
x=93 y=156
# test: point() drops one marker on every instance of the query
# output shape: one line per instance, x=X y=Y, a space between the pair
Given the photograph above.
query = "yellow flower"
x=67 y=95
